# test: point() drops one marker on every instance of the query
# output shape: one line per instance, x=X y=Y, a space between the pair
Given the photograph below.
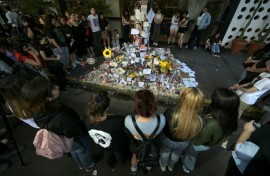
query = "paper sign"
x=140 y=84
x=146 y=71
x=135 y=31
x=152 y=77
x=128 y=79
x=115 y=75
x=142 y=54
x=150 y=16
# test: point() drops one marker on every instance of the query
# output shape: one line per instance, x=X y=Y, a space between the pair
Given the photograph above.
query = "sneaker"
x=170 y=169
x=4 y=166
x=90 y=168
x=147 y=170
x=4 y=141
x=133 y=172
x=186 y=46
x=163 y=169
x=195 y=48
x=185 y=169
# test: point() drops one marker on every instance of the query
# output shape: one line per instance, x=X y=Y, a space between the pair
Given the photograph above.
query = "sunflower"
x=107 y=53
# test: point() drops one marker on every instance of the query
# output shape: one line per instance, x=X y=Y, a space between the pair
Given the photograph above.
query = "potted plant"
x=239 y=43
x=259 y=43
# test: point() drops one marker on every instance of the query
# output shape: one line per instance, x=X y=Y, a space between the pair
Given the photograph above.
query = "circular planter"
x=254 y=46
x=238 y=45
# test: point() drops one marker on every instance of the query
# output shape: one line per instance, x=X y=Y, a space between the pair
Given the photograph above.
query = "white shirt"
x=199 y=19
x=94 y=23
x=175 y=20
x=262 y=86
x=243 y=154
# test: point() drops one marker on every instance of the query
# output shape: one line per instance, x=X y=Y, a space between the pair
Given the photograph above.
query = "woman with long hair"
x=11 y=96
x=104 y=27
x=147 y=121
x=182 y=124
x=182 y=27
x=173 y=29
x=105 y=129
x=221 y=122
x=41 y=100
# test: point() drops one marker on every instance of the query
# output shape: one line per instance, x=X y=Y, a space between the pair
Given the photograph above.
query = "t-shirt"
x=56 y=34
x=108 y=134
x=94 y=23
x=262 y=86
x=175 y=20
x=103 y=24
x=23 y=57
x=146 y=127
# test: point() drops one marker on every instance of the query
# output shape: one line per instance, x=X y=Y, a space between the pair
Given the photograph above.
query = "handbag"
x=51 y=145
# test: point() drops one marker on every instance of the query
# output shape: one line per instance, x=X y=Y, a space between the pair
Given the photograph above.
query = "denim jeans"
x=81 y=152
x=171 y=151
x=215 y=48
x=191 y=154
x=156 y=32
x=64 y=55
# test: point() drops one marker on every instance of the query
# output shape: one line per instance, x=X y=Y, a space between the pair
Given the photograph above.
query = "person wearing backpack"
x=105 y=129
x=182 y=124
x=219 y=124
x=40 y=96
x=148 y=124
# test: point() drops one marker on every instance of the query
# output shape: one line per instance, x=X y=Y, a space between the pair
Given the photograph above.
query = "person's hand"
x=57 y=57
x=253 y=68
x=249 y=127
x=234 y=87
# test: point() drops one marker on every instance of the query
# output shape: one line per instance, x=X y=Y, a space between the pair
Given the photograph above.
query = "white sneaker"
x=163 y=169
x=186 y=46
x=185 y=169
x=170 y=169
x=194 y=48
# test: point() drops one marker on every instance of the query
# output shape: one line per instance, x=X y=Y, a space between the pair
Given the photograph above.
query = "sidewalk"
x=211 y=72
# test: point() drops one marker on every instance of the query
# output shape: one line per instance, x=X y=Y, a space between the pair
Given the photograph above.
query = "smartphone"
x=256 y=125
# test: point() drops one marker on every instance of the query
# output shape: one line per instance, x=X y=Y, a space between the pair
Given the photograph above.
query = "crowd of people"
x=59 y=43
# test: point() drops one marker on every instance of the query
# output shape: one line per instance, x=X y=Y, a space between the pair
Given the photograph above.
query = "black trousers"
x=196 y=33
x=113 y=156
x=56 y=68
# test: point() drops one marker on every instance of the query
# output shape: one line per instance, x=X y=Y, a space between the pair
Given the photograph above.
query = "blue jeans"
x=215 y=48
x=171 y=151
x=191 y=154
x=81 y=152
x=64 y=55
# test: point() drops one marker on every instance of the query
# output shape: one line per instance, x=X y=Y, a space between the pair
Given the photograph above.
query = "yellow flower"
x=132 y=75
x=163 y=63
x=107 y=53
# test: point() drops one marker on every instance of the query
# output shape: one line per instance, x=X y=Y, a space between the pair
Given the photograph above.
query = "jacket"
x=62 y=121
x=210 y=135
x=206 y=19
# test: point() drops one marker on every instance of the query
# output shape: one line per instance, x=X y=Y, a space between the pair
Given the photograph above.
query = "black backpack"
x=147 y=152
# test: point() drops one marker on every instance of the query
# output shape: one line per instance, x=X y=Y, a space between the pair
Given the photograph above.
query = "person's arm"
x=208 y=20
x=237 y=86
x=35 y=63
x=247 y=90
x=256 y=70
x=248 y=130
x=44 y=56
x=52 y=40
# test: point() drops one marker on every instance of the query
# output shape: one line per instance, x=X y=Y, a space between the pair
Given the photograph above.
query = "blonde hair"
x=185 y=122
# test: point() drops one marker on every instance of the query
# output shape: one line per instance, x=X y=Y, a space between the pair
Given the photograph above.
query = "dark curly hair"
x=145 y=103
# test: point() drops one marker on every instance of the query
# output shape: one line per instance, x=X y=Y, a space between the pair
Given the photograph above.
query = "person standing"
x=95 y=27
x=105 y=129
x=104 y=25
x=182 y=27
x=126 y=26
x=201 y=24
x=182 y=124
x=157 y=22
x=173 y=29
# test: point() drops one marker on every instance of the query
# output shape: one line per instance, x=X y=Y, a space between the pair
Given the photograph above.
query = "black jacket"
x=62 y=121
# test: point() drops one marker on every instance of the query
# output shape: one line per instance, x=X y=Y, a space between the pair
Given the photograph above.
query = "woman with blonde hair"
x=182 y=124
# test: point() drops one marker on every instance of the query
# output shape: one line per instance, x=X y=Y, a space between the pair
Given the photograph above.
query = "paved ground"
x=210 y=73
